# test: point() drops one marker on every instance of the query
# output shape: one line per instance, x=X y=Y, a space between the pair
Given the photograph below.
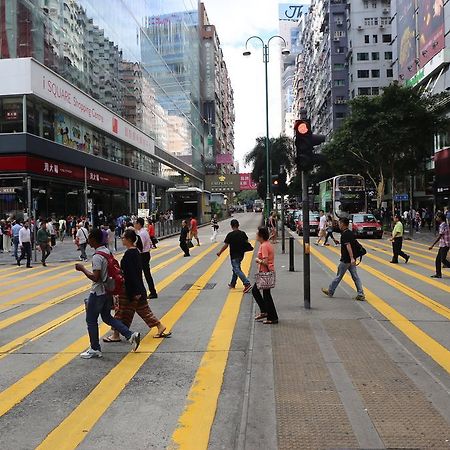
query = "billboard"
x=430 y=29
x=247 y=184
x=224 y=158
x=291 y=11
x=406 y=27
x=222 y=183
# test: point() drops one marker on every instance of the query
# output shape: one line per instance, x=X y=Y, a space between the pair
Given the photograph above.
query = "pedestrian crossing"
x=43 y=320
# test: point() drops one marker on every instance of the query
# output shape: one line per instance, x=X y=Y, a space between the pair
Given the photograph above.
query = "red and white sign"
x=246 y=182
x=224 y=158
x=26 y=76
x=58 y=169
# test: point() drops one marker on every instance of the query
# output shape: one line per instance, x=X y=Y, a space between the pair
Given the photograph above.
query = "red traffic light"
x=302 y=127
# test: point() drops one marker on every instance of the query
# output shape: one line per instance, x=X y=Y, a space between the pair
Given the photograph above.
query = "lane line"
x=195 y=423
x=15 y=393
x=21 y=341
x=435 y=306
x=410 y=252
x=401 y=268
x=75 y=427
x=439 y=353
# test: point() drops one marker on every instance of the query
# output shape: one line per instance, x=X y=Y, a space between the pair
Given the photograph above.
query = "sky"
x=237 y=20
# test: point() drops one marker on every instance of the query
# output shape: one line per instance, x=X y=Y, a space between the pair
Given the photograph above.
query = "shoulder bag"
x=265 y=280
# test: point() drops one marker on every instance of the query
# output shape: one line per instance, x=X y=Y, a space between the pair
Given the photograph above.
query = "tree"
x=281 y=154
x=387 y=136
x=247 y=196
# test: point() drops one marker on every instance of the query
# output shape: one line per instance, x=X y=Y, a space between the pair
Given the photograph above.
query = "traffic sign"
x=401 y=197
x=142 y=197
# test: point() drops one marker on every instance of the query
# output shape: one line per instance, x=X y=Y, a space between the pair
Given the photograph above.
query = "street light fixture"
x=285 y=52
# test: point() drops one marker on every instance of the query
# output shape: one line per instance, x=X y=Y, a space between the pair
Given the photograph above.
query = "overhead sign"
x=222 y=183
x=142 y=197
x=291 y=12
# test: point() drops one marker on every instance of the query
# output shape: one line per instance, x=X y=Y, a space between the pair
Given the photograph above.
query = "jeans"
x=265 y=303
x=45 y=250
x=16 y=246
x=100 y=305
x=441 y=259
x=26 y=252
x=83 y=251
x=397 y=249
x=145 y=259
x=237 y=272
x=342 y=269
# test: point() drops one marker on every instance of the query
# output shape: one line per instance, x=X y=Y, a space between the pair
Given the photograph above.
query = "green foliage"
x=246 y=196
x=386 y=136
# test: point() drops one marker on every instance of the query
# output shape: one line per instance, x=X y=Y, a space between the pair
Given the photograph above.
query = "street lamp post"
x=284 y=52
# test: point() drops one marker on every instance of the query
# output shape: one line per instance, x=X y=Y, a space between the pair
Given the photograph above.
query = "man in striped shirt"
x=444 y=245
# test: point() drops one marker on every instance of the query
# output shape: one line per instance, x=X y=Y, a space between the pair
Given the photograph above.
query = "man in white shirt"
x=145 y=255
x=322 y=227
x=81 y=239
x=25 y=244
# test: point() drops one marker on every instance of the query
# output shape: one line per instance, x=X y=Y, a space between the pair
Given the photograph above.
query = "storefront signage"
x=246 y=182
x=7 y=190
x=222 y=183
x=36 y=79
x=57 y=169
x=443 y=57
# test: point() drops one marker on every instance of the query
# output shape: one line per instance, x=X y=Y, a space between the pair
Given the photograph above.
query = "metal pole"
x=291 y=254
x=85 y=193
x=283 y=247
x=268 y=174
x=411 y=204
x=306 y=244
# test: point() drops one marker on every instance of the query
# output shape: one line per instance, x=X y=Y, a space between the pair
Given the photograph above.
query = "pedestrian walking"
x=447 y=215
x=145 y=255
x=349 y=252
x=81 y=240
x=152 y=233
x=329 y=231
x=266 y=264
x=111 y=237
x=193 y=230
x=7 y=235
x=16 y=227
x=397 y=241
x=273 y=227
x=99 y=302
x=51 y=229
x=418 y=222
x=43 y=240
x=62 y=229
x=444 y=245
x=25 y=244
x=133 y=298
x=184 y=238
x=237 y=240
x=322 y=227
x=215 y=228
x=2 y=233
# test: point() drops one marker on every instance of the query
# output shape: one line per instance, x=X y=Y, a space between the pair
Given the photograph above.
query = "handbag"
x=265 y=280
x=248 y=247
x=189 y=243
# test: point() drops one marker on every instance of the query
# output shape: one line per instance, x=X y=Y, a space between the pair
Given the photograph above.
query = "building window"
x=339 y=82
x=363 y=74
x=388 y=55
x=339 y=34
x=371 y=21
x=353 y=93
x=364 y=91
x=339 y=66
x=387 y=38
x=385 y=20
x=375 y=91
x=366 y=4
x=374 y=4
x=375 y=73
x=366 y=39
x=375 y=38
x=340 y=115
x=362 y=57
x=389 y=73
x=375 y=56
x=340 y=49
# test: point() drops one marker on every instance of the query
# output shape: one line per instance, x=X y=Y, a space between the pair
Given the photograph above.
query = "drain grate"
x=207 y=287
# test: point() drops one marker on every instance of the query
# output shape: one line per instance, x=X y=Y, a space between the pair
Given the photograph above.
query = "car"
x=366 y=225
x=314 y=219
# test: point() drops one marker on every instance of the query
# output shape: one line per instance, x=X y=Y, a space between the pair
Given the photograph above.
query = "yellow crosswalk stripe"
x=15 y=393
x=10 y=269
x=410 y=292
x=194 y=425
x=73 y=430
x=430 y=346
x=18 y=343
x=410 y=252
x=37 y=271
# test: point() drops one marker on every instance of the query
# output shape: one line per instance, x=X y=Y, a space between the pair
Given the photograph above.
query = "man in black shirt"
x=184 y=238
x=236 y=240
x=348 y=261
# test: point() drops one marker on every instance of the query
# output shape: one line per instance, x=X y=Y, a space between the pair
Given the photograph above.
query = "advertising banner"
x=224 y=158
x=431 y=29
x=222 y=183
x=442 y=166
x=246 y=182
x=291 y=11
x=406 y=26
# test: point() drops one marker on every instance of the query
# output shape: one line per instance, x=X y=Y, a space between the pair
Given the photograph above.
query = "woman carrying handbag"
x=265 y=279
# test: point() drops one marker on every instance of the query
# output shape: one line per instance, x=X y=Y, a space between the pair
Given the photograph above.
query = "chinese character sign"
x=246 y=182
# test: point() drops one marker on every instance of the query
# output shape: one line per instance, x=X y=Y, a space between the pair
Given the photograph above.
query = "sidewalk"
x=335 y=376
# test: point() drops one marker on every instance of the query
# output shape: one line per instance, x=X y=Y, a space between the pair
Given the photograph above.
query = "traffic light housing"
x=305 y=141
x=279 y=183
x=275 y=184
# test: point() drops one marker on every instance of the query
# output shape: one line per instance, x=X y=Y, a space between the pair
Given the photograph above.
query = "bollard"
x=291 y=254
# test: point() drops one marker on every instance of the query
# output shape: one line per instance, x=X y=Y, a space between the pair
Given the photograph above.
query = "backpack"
x=114 y=281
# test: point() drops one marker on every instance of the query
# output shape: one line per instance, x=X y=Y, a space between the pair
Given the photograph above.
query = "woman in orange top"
x=265 y=261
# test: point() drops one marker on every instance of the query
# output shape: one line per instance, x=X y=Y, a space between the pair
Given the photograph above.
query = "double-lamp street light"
x=285 y=52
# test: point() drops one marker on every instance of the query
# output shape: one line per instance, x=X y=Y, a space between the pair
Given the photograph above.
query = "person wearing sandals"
x=266 y=263
x=134 y=295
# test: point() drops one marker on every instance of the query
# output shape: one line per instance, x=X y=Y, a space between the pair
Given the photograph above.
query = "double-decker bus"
x=343 y=195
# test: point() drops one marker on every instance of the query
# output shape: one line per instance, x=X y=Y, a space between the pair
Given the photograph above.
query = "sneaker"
x=135 y=340
x=247 y=288
x=231 y=286
x=327 y=292
x=80 y=258
x=436 y=276
x=151 y=296
x=89 y=353
x=360 y=298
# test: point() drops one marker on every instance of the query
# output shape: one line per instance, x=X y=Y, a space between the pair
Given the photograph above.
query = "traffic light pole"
x=268 y=172
x=306 y=243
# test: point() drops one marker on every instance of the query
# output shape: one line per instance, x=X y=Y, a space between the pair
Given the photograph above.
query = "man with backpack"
x=351 y=249
x=106 y=280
